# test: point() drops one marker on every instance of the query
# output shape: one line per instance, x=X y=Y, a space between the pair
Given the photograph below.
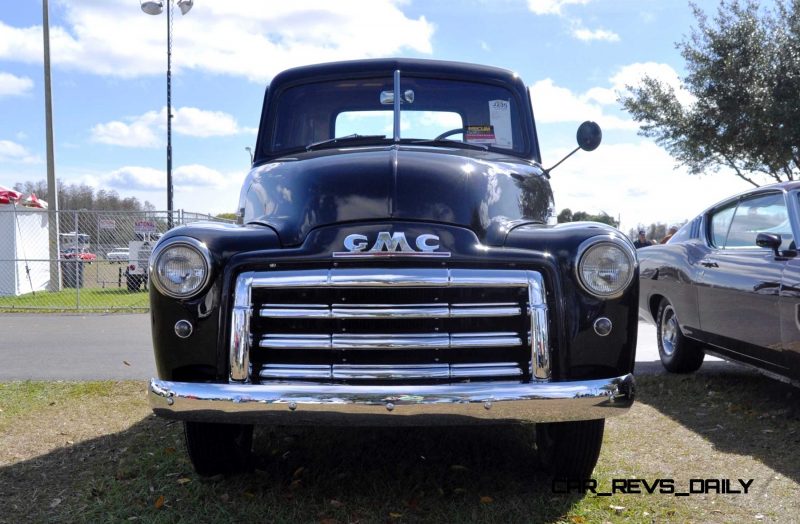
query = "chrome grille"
x=389 y=325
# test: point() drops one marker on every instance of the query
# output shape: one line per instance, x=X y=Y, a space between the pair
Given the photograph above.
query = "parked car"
x=417 y=278
x=728 y=284
x=82 y=254
x=118 y=254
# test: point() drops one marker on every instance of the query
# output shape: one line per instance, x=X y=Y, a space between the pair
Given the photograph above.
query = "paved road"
x=83 y=347
x=75 y=347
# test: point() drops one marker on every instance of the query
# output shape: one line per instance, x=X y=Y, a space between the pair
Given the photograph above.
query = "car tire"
x=569 y=450
x=678 y=354
x=219 y=448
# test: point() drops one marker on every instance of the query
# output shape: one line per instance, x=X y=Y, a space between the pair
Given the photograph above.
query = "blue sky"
x=109 y=89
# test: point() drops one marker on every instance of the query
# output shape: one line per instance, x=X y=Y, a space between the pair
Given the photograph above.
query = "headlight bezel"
x=187 y=242
x=595 y=242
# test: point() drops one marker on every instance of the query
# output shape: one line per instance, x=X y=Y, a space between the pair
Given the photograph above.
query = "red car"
x=84 y=256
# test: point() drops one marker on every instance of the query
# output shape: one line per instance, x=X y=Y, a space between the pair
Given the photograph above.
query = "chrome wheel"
x=669 y=330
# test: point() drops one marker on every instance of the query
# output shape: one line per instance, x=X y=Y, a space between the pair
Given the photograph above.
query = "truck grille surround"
x=389 y=325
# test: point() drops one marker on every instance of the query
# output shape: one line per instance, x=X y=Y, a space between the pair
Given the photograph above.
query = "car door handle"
x=709 y=263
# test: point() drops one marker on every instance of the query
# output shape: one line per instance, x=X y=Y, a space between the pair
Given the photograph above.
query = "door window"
x=720 y=223
x=762 y=214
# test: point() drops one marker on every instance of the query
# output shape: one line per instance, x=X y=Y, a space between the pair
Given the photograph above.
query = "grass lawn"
x=91 y=452
x=68 y=299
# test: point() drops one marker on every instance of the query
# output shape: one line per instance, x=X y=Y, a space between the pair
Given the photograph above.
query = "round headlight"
x=606 y=268
x=180 y=267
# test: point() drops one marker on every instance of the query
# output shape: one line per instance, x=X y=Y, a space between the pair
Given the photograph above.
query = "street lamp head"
x=153 y=7
x=185 y=6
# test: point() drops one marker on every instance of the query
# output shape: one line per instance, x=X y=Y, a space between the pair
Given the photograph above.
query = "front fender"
x=585 y=354
x=197 y=357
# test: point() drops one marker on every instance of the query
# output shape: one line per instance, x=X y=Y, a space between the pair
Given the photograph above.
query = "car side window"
x=720 y=223
x=762 y=214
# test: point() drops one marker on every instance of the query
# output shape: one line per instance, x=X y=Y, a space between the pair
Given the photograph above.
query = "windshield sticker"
x=500 y=119
x=479 y=134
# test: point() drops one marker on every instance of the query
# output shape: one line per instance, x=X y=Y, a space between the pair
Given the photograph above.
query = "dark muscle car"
x=728 y=284
x=397 y=262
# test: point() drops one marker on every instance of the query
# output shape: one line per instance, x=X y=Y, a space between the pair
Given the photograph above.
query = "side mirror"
x=769 y=240
x=589 y=136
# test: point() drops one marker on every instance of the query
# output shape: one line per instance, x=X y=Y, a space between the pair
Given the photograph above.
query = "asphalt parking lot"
x=118 y=347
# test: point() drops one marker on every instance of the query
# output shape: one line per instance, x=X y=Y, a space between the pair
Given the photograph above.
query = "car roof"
x=780 y=186
x=389 y=65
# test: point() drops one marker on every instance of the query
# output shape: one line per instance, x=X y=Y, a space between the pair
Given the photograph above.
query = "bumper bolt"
x=487 y=405
x=170 y=401
x=389 y=407
x=292 y=406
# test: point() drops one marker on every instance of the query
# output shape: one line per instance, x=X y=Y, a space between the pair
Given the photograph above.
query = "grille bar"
x=373 y=311
x=408 y=277
x=391 y=341
x=393 y=372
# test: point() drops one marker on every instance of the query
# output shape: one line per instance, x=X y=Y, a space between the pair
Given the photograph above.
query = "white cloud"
x=192 y=121
x=588 y=35
x=13 y=152
x=197 y=176
x=11 y=85
x=137 y=178
x=138 y=132
x=552 y=7
x=632 y=74
x=247 y=38
x=148 y=130
x=185 y=178
x=637 y=181
x=554 y=104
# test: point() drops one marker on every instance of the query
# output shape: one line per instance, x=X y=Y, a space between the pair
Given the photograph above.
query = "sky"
x=109 y=88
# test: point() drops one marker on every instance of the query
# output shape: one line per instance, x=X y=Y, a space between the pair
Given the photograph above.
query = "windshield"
x=459 y=111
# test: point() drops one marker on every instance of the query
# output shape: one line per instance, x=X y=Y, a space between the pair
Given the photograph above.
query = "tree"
x=566 y=215
x=82 y=196
x=744 y=74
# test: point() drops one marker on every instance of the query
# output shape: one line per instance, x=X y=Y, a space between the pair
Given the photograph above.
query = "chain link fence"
x=97 y=263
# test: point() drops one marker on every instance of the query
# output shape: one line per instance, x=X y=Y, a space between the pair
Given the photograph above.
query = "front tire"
x=570 y=449
x=678 y=354
x=219 y=448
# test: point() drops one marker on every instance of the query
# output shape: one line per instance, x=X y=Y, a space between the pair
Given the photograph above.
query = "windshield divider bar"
x=397 y=105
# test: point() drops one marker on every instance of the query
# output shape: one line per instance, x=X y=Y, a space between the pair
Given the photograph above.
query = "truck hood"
x=484 y=191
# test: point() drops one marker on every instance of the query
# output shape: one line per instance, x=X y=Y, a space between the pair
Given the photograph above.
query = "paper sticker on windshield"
x=500 y=119
x=479 y=134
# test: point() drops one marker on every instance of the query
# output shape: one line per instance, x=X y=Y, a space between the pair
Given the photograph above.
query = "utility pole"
x=52 y=190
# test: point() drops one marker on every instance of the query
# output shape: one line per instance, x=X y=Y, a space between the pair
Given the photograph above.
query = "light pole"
x=250 y=150
x=52 y=190
x=156 y=7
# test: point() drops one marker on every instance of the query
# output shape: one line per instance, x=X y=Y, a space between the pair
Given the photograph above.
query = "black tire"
x=678 y=353
x=219 y=448
x=570 y=450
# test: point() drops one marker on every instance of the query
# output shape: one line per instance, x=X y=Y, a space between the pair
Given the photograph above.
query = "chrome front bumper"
x=304 y=404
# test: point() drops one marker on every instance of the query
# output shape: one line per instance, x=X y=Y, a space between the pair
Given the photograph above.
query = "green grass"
x=69 y=299
x=97 y=455
x=20 y=398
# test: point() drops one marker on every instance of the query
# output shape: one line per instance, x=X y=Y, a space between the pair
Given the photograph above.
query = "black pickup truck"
x=397 y=262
